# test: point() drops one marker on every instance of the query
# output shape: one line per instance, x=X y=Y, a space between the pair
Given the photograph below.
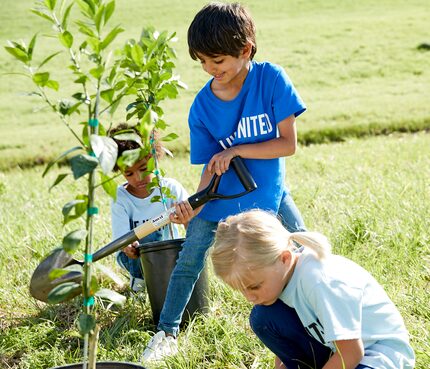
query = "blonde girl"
x=312 y=309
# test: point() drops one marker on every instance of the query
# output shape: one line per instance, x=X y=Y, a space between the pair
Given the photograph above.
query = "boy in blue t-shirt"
x=246 y=109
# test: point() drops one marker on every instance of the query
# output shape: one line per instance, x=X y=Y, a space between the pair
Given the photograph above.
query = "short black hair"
x=221 y=29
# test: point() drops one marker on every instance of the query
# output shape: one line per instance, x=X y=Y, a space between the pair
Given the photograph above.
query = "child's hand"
x=220 y=162
x=183 y=213
x=131 y=250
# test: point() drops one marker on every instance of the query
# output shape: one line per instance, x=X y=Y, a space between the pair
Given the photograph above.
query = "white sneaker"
x=159 y=347
x=137 y=284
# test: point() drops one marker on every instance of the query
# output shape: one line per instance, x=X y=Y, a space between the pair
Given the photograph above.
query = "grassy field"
x=370 y=197
x=365 y=185
x=356 y=64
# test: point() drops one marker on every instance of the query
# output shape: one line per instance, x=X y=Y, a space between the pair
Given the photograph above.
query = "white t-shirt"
x=129 y=211
x=336 y=299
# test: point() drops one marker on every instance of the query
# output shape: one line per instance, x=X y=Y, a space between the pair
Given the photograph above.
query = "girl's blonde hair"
x=256 y=239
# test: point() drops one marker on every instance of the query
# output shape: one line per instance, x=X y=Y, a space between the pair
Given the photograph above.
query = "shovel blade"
x=41 y=285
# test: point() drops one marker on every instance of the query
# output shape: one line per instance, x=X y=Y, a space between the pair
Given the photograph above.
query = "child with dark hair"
x=133 y=205
x=246 y=109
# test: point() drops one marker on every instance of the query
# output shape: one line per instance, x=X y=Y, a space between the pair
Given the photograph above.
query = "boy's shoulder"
x=267 y=67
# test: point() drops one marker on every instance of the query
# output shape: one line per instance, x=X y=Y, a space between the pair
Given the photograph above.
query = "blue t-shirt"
x=267 y=97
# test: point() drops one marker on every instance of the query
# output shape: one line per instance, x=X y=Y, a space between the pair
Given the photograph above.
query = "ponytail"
x=255 y=239
x=315 y=241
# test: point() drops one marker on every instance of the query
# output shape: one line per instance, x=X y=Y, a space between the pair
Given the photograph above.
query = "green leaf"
x=119 y=85
x=48 y=59
x=72 y=240
x=169 y=137
x=114 y=106
x=110 y=37
x=166 y=191
x=99 y=18
x=113 y=72
x=82 y=79
x=79 y=205
x=59 y=179
x=109 y=10
x=129 y=137
x=57 y=273
x=95 y=45
x=67 y=208
x=106 y=150
x=85 y=135
x=155 y=198
x=107 y=95
x=66 y=16
x=87 y=7
x=168 y=90
x=94 y=285
x=128 y=158
x=165 y=76
x=80 y=96
x=66 y=39
x=63 y=155
x=97 y=72
x=110 y=295
x=131 y=114
x=150 y=117
x=109 y=185
x=84 y=29
x=161 y=125
x=137 y=54
x=50 y=4
x=86 y=323
x=64 y=292
x=150 y=165
x=41 y=79
x=17 y=53
x=83 y=164
x=43 y=15
x=53 y=85
x=31 y=47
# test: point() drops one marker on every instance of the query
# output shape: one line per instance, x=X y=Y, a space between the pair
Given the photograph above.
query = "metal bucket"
x=104 y=365
x=158 y=260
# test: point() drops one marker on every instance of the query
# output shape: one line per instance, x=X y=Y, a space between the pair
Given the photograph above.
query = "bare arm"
x=284 y=145
x=347 y=356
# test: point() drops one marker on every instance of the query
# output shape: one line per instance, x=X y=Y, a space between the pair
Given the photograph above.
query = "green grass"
x=361 y=73
x=370 y=197
x=356 y=64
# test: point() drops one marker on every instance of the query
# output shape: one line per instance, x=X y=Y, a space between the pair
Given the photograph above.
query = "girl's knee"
x=275 y=318
x=261 y=319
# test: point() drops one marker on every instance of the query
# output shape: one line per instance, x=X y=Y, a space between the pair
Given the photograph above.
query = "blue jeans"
x=280 y=329
x=290 y=215
x=191 y=260
x=133 y=266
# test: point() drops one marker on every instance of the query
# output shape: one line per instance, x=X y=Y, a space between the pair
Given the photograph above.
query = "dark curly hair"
x=124 y=145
